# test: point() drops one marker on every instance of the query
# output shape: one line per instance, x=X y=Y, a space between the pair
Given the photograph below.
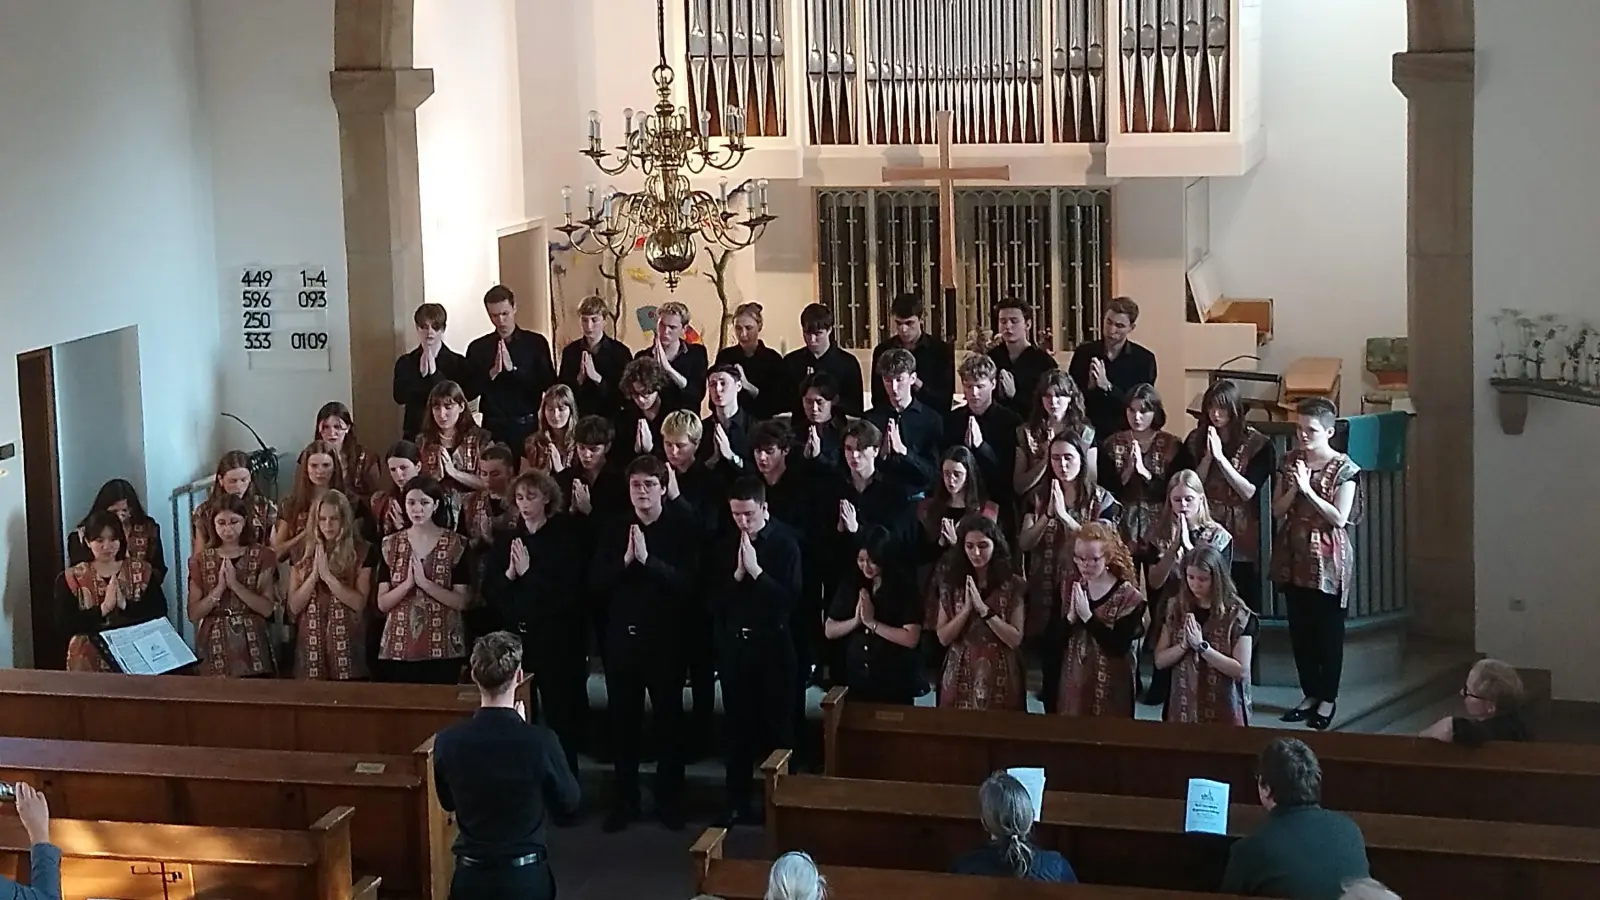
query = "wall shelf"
x=1514 y=394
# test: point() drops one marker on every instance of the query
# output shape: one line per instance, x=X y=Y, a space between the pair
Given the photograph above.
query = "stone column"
x=377 y=94
x=1439 y=85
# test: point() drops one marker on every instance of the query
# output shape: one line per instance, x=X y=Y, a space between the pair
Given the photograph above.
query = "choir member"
x=1068 y=500
x=549 y=449
x=646 y=565
x=508 y=370
x=865 y=496
x=912 y=431
x=1135 y=464
x=108 y=590
x=683 y=365
x=1020 y=362
x=1007 y=813
x=596 y=491
x=423 y=587
x=1185 y=523
x=1104 y=613
x=143 y=533
x=979 y=593
x=1108 y=368
x=727 y=429
x=328 y=593
x=1235 y=461
x=989 y=430
x=1057 y=410
x=820 y=425
x=403 y=461
x=482 y=510
x=821 y=356
x=1492 y=699
x=317 y=472
x=934 y=374
x=877 y=614
x=692 y=489
x=1206 y=640
x=336 y=427
x=591 y=366
x=450 y=444
x=534 y=586
x=233 y=478
x=644 y=387
x=754 y=584
x=958 y=493
x=1313 y=560
x=231 y=597
x=791 y=497
x=764 y=387
x=416 y=373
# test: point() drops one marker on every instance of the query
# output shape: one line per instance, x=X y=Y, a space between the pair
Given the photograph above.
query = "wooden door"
x=41 y=475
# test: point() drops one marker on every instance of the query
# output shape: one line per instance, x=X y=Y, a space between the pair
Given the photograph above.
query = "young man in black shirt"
x=912 y=430
x=592 y=365
x=644 y=386
x=755 y=583
x=495 y=772
x=726 y=445
x=700 y=494
x=1019 y=361
x=988 y=429
x=416 y=373
x=1107 y=369
x=508 y=369
x=935 y=373
x=682 y=364
x=595 y=492
x=646 y=565
x=821 y=356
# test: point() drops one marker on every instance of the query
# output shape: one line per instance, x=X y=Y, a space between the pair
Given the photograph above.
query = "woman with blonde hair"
x=764 y=387
x=1008 y=816
x=795 y=877
x=1104 y=614
x=550 y=448
x=329 y=588
x=1207 y=639
x=1493 y=700
x=1184 y=523
x=317 y=473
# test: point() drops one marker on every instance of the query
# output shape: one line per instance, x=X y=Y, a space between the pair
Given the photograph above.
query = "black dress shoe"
x=1299 y=714
x=618 y=819
x=1320 y=722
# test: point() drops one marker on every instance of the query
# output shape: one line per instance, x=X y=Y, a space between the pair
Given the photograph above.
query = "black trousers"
x=700 y=667
x=1052 y=647
x=636 y=664
x=1247 y=579
x=553 y=654
x=1316 y=634
x=535 y=882
x=758 y=693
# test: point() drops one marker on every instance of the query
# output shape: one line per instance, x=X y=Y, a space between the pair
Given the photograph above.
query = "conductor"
x=495 y=772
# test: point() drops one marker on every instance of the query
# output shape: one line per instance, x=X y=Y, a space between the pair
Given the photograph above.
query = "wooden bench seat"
x=746 y=879
x=399 y=831
x=1549 y=784
x=264 y=714
x=143 y=861
x=1140 y=842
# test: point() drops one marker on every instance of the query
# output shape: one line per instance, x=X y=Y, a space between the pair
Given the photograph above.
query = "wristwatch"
x=1204 y=648
x=988 y=615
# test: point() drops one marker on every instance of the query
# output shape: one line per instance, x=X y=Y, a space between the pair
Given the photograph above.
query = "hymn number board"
x=284 y=311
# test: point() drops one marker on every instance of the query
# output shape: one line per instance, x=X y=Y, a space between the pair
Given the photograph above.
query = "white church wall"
x=1319 y=225
x=99 y=418
x=1536 y=207
x=105 y=220
x=279 y=198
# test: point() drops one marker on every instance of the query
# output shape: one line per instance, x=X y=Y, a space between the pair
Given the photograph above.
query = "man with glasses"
x=821 y=356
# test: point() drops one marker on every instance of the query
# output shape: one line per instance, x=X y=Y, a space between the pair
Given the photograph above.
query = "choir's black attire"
x=878 y=670
x=1027 y=370
x=691 y=362
x=841 y=364
x=885 y=501
x=936 y=366
x=643 y=653
x=738 y=428
x=996 y=455
x=496 y=773
x=481 y=619
x=626 y=443
x=792 y=500
x=610 y=358
x=829 y=461
x=608 y=496
x=510 y=403
x=1134 y=366
x=702 y=497
x=411 y=387
x=765 y=369
x=756 y=649
x=545 y=607
x=922 y=431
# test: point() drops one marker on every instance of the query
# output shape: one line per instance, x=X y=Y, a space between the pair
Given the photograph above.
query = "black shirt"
x=1115 y=639
x=875 y=666
x=610 y=358
x=738 y=428
x=1026 y=371
x=650 y=595
x=702 y=496
x=884 y=501
x=842 y=365
x=922 y=431
x=411 y=387
x=1134 y=366
x=1477 y=732
x=515 y=395
x=496 y=772
x=627 y=428
x=936 y=366
x=548 y=590
x=691 y=364
x=998 y=453
x=762 y=604
x=765 y=369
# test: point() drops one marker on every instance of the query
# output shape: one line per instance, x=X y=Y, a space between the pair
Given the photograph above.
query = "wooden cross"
x=947 y=176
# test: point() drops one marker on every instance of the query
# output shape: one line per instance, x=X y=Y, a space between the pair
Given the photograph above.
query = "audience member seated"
x=1302 y=851
x=1008 y=815
x=795 y=877
x=44 y=858
x=1367 y=889
x=1492 y=697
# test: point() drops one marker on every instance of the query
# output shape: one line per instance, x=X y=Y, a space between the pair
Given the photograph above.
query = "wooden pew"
x=262 y=714
x=746 y=879
x=141 y=861
x=401 y=834
x=1140 y=842
x=1547 y=784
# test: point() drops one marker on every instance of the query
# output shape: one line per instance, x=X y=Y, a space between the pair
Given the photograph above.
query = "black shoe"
x=671 y=817
x=618 y=819
x=1319 y=722
x=1299 y=713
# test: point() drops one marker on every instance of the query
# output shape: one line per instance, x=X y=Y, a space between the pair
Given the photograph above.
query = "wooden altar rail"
x=128 y=859
x=399 y=833
x=1549 y=784
x=262 y=714
x=746 y=879
x=1140 y=842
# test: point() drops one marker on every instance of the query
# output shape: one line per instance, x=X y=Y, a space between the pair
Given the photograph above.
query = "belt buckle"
x=633 y=631
x=746 y=633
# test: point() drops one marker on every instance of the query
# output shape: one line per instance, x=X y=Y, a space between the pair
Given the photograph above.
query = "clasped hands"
x=746 y=563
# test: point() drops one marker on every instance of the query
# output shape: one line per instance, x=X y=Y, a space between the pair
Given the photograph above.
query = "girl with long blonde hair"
x=1206 y=642
x=549 y=449
x=329 y=589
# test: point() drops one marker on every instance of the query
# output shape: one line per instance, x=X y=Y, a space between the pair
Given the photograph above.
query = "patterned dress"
x=1199 y=692
x=469 y=444
x=1307 y=551
x=1095 y=682
x=421 y=628
x=980 y=671
x=1142 y=498
x=1210 y=534
x=536 y=451
x=383 y=503
x=81 y=590
x=1050 y=565
x=331 y=638
x=233 y=640
x=256 y=531
x=1241 y=517
x=356 y=468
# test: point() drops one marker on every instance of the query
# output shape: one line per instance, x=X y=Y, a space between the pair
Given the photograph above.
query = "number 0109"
x=308 y=340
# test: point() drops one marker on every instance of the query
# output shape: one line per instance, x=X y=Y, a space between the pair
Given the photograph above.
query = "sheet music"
x=1033 y=780
x=149 y=648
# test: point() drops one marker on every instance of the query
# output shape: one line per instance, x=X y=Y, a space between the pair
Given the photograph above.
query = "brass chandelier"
x=668 y=218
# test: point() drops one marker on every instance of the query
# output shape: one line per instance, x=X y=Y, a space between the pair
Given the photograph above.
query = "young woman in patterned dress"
x=450 y=444
x=1235 y=462
x=336 y=427
x=109 y=590
x=1057 y=410
x=329 y=588
x=1185 y=523
x=142 y=533
x=231 y=596
x=423 y=586
x=317 y=473
x=1206 y=642
x=981 y=609
x=1104 y=614
x=233 y=479
x=403 y=460
x=1135 y=465
x=550 y=448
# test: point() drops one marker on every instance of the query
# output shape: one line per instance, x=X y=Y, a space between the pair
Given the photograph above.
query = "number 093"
x=308 y=340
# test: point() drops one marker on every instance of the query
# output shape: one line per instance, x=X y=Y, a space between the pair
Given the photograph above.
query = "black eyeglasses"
x=1467 y=693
